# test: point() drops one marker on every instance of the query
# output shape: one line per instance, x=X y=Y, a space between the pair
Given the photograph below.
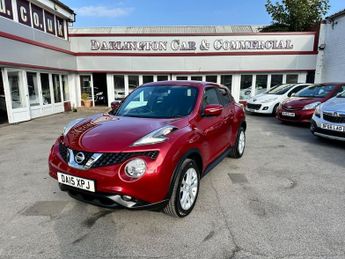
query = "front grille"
x=331 y=118
x=253 y=106
x=290 y=108
x=107 y=159
x=330 y=132
x=63 y=152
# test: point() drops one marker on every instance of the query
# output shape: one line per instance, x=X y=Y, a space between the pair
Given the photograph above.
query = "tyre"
x=238 y=150
x=185 y=190
x=275 y=108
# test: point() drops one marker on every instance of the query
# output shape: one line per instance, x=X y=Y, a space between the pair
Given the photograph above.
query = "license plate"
x=289 y=114
x=81 y=183
x=250 y=110
x=333 y=127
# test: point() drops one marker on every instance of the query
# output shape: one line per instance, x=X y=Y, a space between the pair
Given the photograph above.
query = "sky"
x=177 y=12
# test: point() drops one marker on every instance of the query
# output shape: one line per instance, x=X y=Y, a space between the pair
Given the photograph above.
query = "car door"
x=212 y=128
x=228 y=114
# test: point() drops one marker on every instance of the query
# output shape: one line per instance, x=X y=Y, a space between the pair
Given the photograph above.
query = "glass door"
x=86 y=89
x=18 y=101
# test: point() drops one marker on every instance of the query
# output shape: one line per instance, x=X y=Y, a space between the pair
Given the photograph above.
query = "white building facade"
x=331 y=58
x=46 y=67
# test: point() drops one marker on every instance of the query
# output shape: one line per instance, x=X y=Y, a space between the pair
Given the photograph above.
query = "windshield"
x=159 y=102
x=280 y=90
x=316 y=91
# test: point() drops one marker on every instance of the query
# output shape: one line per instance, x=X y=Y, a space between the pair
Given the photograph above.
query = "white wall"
x=331 y=60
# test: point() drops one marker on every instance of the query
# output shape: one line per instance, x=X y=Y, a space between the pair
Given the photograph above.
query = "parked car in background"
x=300 y=108
x=162 y=139
x=328 y=120
x=268 y=102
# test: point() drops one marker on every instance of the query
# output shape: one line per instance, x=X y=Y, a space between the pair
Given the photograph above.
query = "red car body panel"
x=296 y=105
x=208 y=137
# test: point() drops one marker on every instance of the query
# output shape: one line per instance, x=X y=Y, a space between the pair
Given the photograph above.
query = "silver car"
x=329 y=119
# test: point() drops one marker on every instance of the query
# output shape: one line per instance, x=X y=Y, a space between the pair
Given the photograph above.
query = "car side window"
x=341 y=89
x=210 y=97
x=224 y=96
x=297 y=89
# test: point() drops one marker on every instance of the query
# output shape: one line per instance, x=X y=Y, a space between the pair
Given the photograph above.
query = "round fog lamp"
x=135 y=168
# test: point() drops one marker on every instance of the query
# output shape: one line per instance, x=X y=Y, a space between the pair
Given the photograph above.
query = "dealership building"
x=47 y=66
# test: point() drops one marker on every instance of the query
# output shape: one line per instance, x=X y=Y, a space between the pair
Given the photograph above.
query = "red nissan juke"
x=163 y=138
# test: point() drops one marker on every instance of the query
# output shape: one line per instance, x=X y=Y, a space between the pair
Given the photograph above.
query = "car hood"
x=107 y=133
x=300 y=102
x=335 y=105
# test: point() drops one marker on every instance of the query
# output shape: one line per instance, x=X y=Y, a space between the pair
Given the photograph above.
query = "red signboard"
x=24 y=16
x=6 y=9
x=37 y=17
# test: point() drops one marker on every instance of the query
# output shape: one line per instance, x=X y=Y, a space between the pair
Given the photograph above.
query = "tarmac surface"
x=285 y=198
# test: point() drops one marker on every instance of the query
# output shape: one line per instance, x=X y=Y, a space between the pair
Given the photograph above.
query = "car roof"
x=200 y=84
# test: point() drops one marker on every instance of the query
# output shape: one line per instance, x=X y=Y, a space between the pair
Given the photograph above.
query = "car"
x=164 y=137
x=328 y=120
x=300 y=108
x=268 y=103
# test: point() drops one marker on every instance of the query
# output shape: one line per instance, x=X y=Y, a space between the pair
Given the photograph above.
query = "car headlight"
x=135 y=168
x=317 y=111
x=157 y=136
x=269 y=100
x=311 y=106
x=70 y=125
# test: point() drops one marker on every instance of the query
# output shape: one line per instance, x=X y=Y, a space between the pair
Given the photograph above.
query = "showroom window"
x=32 y=88
x=133 y=82
x=291 y=79
x=57 y=88
x=276 y=80
x=162 y=78
x=182 y=78
x=196 y=78
x=119 y=87
x=45 y=89
x=212 y=79
x=226 y=80
x=147 y=79
x=65 y=88
x=246 y=86
x=261 y=84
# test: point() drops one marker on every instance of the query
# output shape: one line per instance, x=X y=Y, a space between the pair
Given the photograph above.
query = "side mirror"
x=114 y=107
x=213 y=110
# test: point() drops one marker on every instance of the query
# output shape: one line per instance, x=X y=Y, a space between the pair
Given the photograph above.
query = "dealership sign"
x=202 y=45
x=33 y=15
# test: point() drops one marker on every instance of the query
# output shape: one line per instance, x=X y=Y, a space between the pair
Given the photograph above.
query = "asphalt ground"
x=284 y=199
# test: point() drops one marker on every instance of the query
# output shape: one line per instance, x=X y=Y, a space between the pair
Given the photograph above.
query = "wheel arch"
x=193 y=154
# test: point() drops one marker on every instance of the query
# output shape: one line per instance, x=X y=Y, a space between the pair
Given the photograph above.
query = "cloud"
x=103 y=11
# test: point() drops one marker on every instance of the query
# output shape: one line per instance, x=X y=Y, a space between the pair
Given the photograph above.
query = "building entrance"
x=100 y=89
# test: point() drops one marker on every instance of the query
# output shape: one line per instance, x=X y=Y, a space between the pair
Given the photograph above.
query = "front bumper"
x=111 y=189
x=301 y=116
x=315 y=128
x=262 y=108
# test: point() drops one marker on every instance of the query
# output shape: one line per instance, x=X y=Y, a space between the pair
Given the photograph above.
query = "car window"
x=316 y=91
x=280 y=90
x=341 y=89
x=159 y=102
x=224 y=96
x=296 y=89
x=211 y=97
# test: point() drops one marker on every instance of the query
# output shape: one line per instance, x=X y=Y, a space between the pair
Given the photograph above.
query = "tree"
x=296 y=15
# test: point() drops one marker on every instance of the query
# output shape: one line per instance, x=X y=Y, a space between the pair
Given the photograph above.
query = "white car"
x=268 y=102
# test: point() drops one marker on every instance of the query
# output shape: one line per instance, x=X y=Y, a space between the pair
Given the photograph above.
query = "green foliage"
x=296 y=15
x=85 y=96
